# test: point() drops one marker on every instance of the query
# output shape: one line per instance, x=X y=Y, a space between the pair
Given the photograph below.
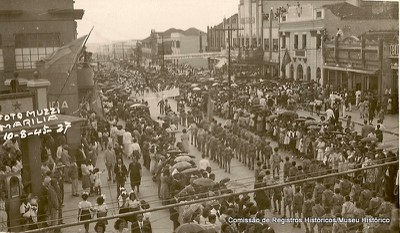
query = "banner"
x=170 y=93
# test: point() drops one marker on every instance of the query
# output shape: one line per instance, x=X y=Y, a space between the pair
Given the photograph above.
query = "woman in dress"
x=165 y=180
x=85 y=176
x=101 y=209
x=85 y=210
x=135 y=172
x=153 y=159
x=185 y=139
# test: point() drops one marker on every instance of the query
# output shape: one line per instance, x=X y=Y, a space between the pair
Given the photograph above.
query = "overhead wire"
x=211 y=198
x=203 y=193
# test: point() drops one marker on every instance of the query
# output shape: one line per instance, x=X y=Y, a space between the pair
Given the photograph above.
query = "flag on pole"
x=286 y=60
x=63 y=59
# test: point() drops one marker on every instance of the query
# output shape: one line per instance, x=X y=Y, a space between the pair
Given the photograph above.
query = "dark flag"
x=286 y=60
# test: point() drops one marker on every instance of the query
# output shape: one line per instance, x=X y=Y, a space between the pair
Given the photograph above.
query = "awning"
x=339 y=68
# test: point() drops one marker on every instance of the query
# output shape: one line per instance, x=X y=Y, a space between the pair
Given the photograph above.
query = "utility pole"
x=114 y=50
x=271 y=68
x=229 y=30
x=162 y=47
x=123 y=52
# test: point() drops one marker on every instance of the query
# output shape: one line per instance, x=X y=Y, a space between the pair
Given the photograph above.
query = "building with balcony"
x=304 y=28
x=31 y=30
x=368 y=63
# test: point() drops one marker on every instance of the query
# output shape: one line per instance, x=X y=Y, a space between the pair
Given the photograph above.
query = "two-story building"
x=305 y=28
x=189 y=41
x=368 y=63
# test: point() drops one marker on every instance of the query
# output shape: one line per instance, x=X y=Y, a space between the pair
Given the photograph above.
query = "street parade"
x=168 y=146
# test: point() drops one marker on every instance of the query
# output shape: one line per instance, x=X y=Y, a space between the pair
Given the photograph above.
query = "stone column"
x=31 y=161
x=39 y=87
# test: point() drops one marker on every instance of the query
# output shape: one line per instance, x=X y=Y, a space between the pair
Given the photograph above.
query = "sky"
x=115 y=20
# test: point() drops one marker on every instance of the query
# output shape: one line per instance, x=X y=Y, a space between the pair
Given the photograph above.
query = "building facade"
x=304 y=28
x=368 y=64
x=117 y=50
x=31 y=30
x=190 y=41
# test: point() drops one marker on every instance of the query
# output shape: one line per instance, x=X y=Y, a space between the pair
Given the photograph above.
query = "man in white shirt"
x=358 y=97
x=204 y=163
x=126 y=139
x=134 y=149
x=329 y=114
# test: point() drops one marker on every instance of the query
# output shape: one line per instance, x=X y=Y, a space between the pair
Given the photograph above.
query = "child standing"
x=85 y=210
x=97 y=181
x=101 y=208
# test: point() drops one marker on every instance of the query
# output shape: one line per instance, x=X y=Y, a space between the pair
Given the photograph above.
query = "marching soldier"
x=220 y=151
x=228 y=155
x=212 y=146
x=252 y=153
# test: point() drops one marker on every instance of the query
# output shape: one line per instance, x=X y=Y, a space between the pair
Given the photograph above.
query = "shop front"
x=339 y=79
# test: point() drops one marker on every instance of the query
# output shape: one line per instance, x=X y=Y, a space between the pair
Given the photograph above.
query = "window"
x=275 y=45
x=318 y=45
x=30 y=48
x=283 y=18
x=254 y=42
x=1 y=55
x=319 y=14
x=304 y=41
x=283 y=41
x=178 y=44
x=299 y=72
x=296 y=41
x=247 y=42
x=266 y=44
x=242 y=42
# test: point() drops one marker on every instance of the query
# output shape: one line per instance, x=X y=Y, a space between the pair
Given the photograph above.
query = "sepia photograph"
x=199 y=116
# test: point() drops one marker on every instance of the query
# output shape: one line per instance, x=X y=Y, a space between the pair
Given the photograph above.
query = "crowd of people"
x=257 y=114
